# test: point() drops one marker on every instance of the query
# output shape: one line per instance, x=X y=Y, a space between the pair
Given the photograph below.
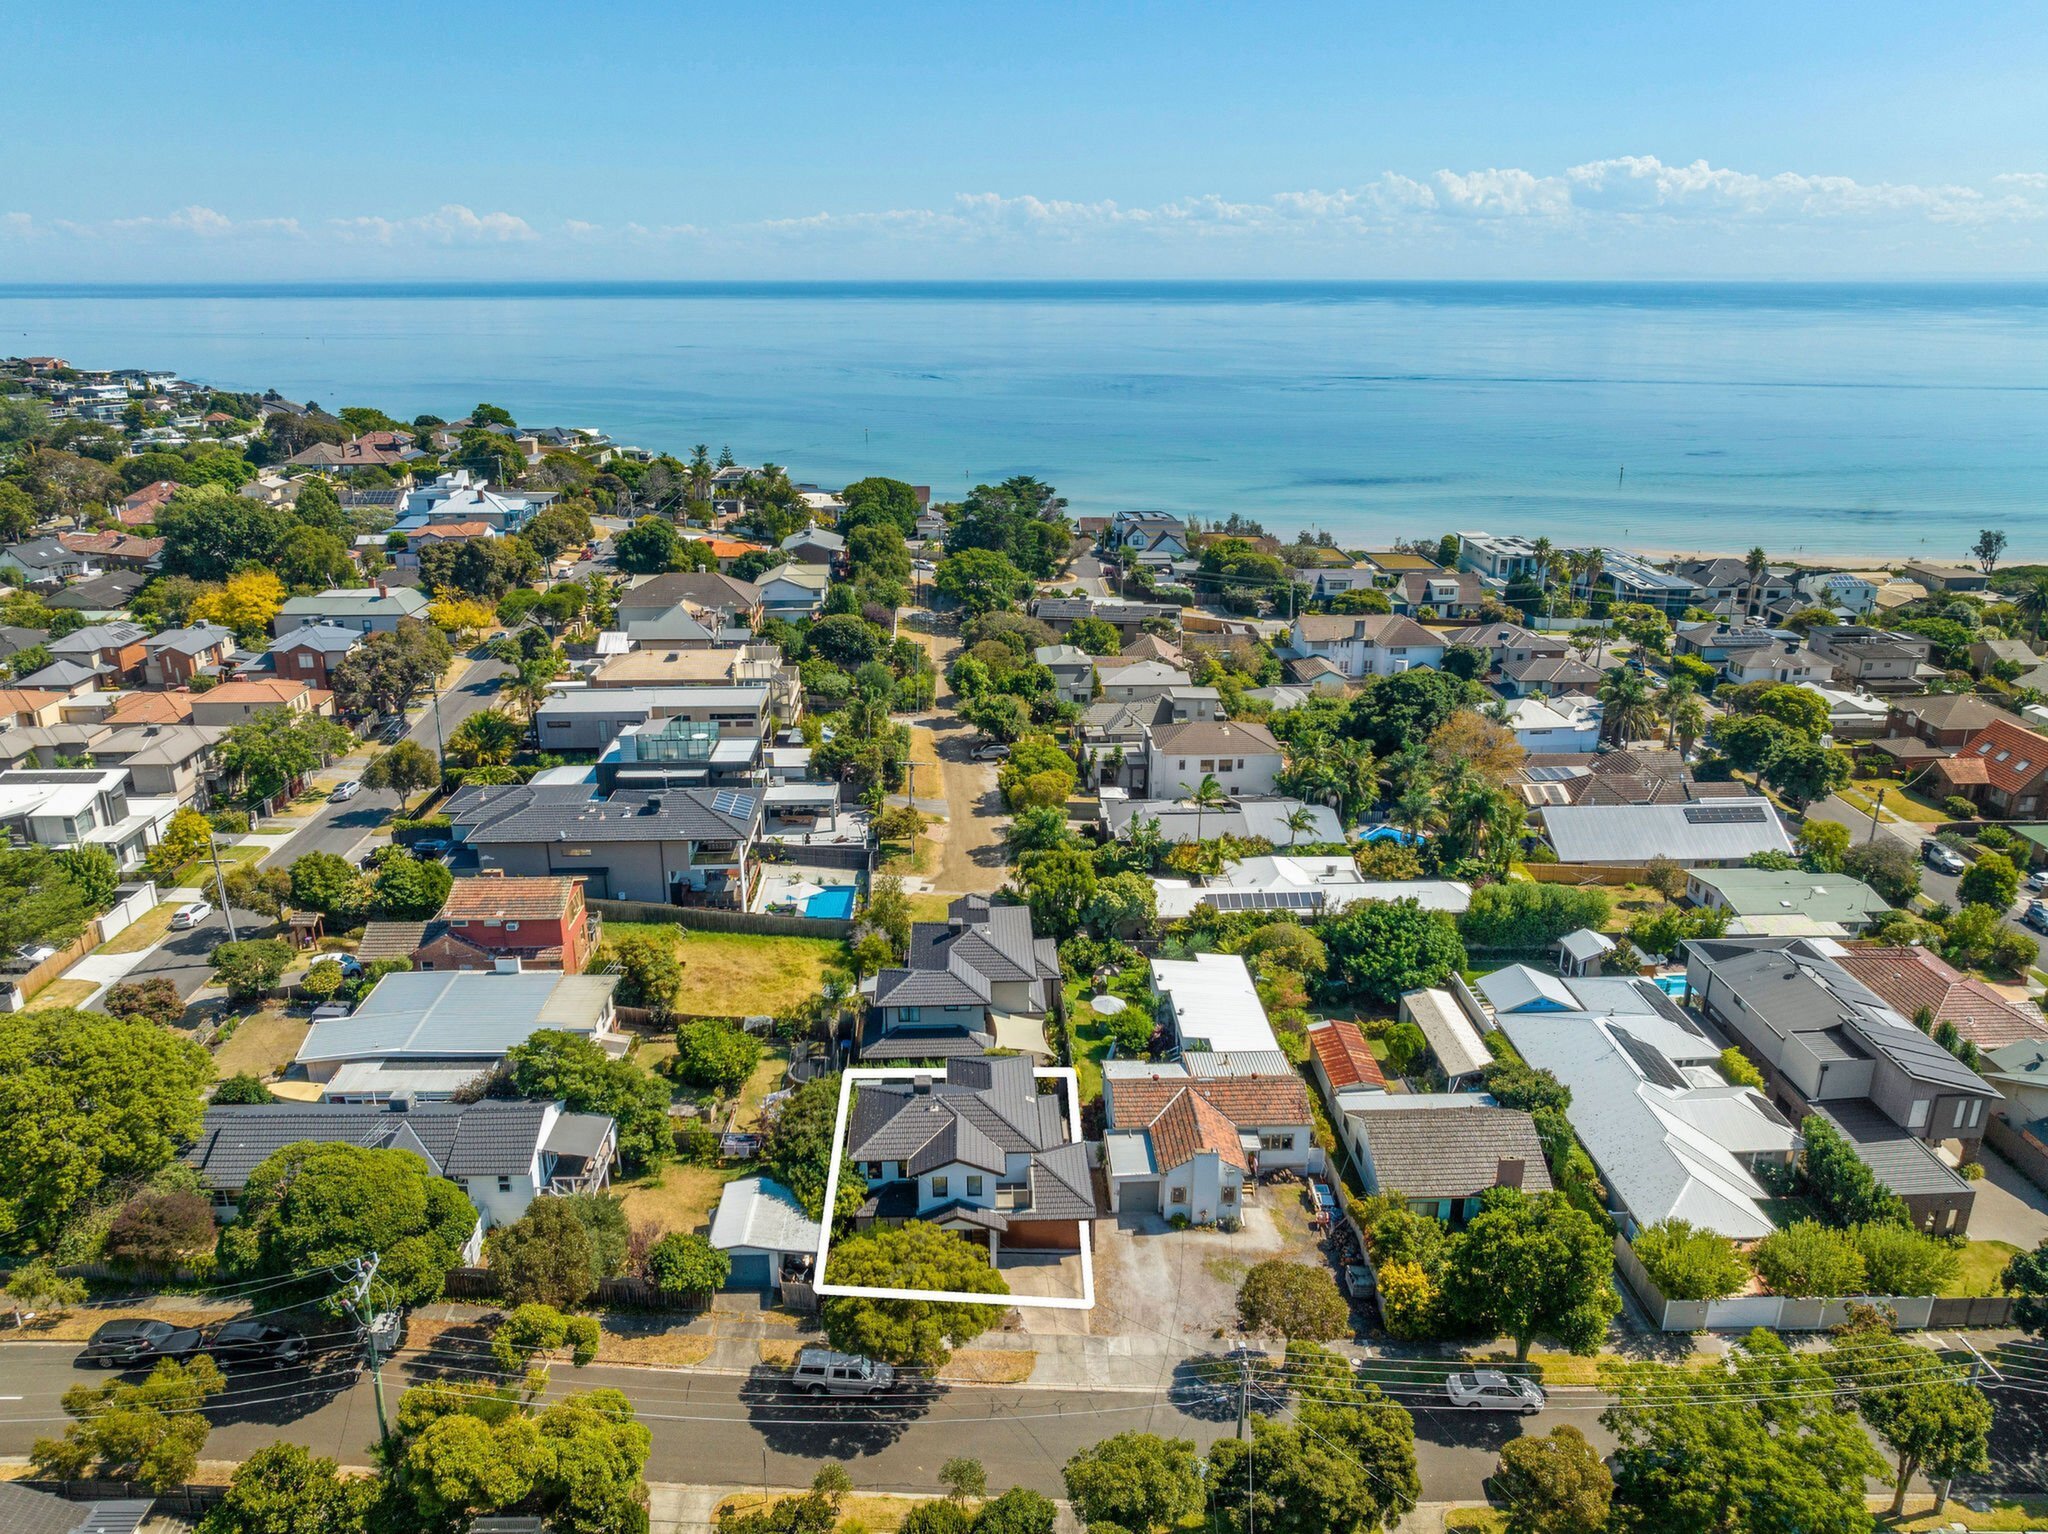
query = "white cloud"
x=449 y=224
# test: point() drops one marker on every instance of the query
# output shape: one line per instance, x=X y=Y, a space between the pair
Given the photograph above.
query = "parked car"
x=28 y=956
x=191 y=915
x=118 y=1344
x=825 y=1373
x=1490 y=1390
x=254 y=1342
x=393 y=728
x=2038 y=880
x=345 y=792
x=992 y=751
x=431 y=847
x=1943 y=858
x=2037 y=915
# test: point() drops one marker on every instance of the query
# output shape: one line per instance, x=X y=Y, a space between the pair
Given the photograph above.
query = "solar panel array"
x=727 y=802
x=1725 y=814
x=1264 y=900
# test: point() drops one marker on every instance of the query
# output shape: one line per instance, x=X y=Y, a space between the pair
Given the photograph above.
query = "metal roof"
x=760 y=1212
x=459 y=1014
x=1724 y=830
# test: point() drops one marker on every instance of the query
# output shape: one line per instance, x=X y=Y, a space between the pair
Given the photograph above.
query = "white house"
x=1840 y=588
x=1241 y=755
x=1372 y=644
x=1211 y=1006
x=1310 y=885
x=795 y=591
x=1570 y=724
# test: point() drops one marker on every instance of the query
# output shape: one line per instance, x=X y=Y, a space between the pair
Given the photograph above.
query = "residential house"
x=1827 y=1044
x=702 y=590
x=99 y=597
x=1948 y=577
x=1241 y=755
x=1840 y=590
x=1547 y=676
x=1505 y=642
x=675 y=752
x=1565 y=725
x=1725 y=581
x=62 y=807
x=375 y=609
x=725 y=552
x=70 y=677
x=1441 y=1152
x=1451 y=1020
x=815 y=546
x=310 y=653
x=1877 y=660
x=1115 y=738
x=115 y=650
x=1127 y=618
x=1208 y=1005
x=116 y=551
x=1769 y=902
x=1184 y=1145
x=1630 y=579
x=1986 y=655
x=425 y=1036
x=767 y=1238
x=46 y=562
x=662 y=669
x=1372 y=644
x=1325 y=582
x=1722 y=832
x=1144 y=682
x=1265 y=816
x=1785 y=661
x=1437 y=594
x=1671 y=1138
x=1149 y=537
x=164 y=761
x=794 y=591
x=1502 y=558
x=590 y=718
x=1073 y=672
x=2019 y=1127
x=502 y=1155
x=1917 y=982
x=1311 y=886
x=1146 y=647
x=487 y=922
x=1341 y=1060
x=175 y=656
x=1945 y=721
x=433 y=534
x=14 y=639
x=234 y=703
x=978 y=1150
x=2003 y=770
x=1852 y=715
x=981 y=979
x=678 y=846
x=1723 y=645
x=379 y=449
x=140 y=508
x=27 y=708
x=458 y=497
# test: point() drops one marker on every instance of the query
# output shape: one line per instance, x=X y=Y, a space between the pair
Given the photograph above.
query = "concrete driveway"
x=2008 y=1207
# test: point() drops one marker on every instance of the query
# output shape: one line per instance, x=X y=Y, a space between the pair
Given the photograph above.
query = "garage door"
x=750 y=1270
x=1138 y=1195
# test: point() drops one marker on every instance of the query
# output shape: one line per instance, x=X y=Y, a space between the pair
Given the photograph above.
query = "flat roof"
x=1214 y=1002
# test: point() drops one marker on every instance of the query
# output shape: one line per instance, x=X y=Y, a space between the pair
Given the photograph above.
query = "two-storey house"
x=980 y=979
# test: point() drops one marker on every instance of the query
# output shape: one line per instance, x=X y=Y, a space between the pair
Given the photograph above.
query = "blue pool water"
x=1671 y=985
x=836 y=904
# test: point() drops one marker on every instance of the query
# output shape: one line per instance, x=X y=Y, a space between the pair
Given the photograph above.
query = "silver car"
x=1490 y=1390
x=825 y=1373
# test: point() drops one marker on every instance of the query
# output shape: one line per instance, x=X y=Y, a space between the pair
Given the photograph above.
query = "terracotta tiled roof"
x=508 y=899
x=1186 y=1127
x=2013 y=758
x=258 y=692
x=1912 y=979
x=151 y=708
x=1346 y=1058
x=1188 y=1115
x=26 y=700
x=450 y=530
x=1963 y=769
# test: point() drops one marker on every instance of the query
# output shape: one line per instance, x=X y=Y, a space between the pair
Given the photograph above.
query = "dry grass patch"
x=61 y=993
x=989 y=1366
x=767 y=1076
x=146 y=931
x=929 y=906
x=741 y=974
x=681 y=1197
x=876 y=1512
x=263 y=1044
x=678 y=1350
x=779 y=1353
x=2024 y=1513
x=77 y=1325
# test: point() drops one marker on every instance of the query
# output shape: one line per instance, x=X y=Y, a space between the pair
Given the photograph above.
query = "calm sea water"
x=1816 y=419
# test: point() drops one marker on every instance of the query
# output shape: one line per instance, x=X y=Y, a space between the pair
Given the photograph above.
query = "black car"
x=255 y=1342
x=120 y=1343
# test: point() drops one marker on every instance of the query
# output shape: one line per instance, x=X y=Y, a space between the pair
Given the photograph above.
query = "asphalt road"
x=185 y=958
x=341 y=828
x=731 y=1430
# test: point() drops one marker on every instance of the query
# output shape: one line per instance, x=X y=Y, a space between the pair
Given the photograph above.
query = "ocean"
x=1811 y=419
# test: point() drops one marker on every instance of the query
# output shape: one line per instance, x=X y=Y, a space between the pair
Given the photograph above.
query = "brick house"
x=2003 y=771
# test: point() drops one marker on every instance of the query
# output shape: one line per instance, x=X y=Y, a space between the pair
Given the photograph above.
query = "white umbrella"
x=1107 y=1006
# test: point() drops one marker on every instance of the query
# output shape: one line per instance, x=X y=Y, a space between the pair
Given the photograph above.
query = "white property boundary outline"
x=868 y=1292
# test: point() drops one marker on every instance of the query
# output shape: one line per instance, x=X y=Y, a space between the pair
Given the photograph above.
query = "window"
x=1229 y=1195
x=1976 y=1110
x=909 y=1014
x=504 y=1185
x=1962 y=1108
x=1276 y=1142
x=939 y=1187
x=1917 y=1119
x=973 y=1187
x=874 y=1170
x=1208 y=765
x=1178 y=1196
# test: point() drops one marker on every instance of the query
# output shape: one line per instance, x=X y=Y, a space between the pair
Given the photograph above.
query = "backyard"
x=262 y=1044
x=740 y=974
x=1982 y=1263
x=680 y=1196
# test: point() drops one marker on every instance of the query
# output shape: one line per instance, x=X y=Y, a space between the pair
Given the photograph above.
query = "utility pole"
x=1244 y=1393
x=220 y=884
x=1876 y=811
x=362 y=1271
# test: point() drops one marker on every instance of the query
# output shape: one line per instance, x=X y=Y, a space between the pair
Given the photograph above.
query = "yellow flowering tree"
x=246 y=603
x=458 y=615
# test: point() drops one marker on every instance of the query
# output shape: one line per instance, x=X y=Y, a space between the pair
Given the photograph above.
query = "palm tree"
x=1593 y=565
x=1299 y=819
x=2032 y=601
x=1545 y=556
x=1205 y=796
x=1757 y=563
x=1631 y=711
x=1676 y=691
x=700 y=473
x=1688 y=723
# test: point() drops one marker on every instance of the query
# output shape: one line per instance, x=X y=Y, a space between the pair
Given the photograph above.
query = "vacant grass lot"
x=679 y=1197
x=741 y=974
x=263 y=1044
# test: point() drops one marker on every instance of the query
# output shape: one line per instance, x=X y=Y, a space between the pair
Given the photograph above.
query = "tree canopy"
x=914 y=1255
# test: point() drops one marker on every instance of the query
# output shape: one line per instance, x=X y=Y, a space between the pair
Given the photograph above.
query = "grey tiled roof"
x=1451 y=1152
x=528 y=814
x=997 y=1096
x=1894 y=1155
x=486 y=1139
x=1062 y=1188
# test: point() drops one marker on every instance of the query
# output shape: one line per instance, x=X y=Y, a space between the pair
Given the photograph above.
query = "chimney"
x=1509 y=1173
x=653 y=804
x=956 y=925
x=921 y=1086
x=510 y=966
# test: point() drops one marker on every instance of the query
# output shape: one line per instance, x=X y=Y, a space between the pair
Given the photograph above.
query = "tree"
x=1751 y=740
x=159 y=1229
x=86 y=1102
x=1804 y=771
x=313 y=559
x=387 y=671
x=603 y=1217
x=406 y=888
x=649 y=547
x=2025 y=1277
x=563 y=526
x=1841 y=1182
x=1526 y=1088
x=1898 y=1259
x=981 y=580
x=533 y=1331
x=1823 y=845
x=1553 y=1485
x=1807 y=1258
x=245 y=603
x=711 y=1052
x=1629 y=705
x=1756 y=1446
x=285 y=1489
x=1060 y=885
x=154 y=1000
x=1688 y=1262
x=1888 y=866
x=1531 y=1266
x=251 y=967
x=963 y=1479
x=1666 y=876
x=265 y=891
x=150 y=1432
x=92 y=870
x=326 y=882
x=39 y=1288
x=186 y=838
x=486 y=738
x=650 y=974
x=210 y=532
x=1135 y=1481
x=242 y=1087
x=1988 y=549
x=554 y=1064
x=273 y=751
x=798 y=1147
x=1409 y=706
x=1295 y=1300
x=1017 y=1511
x=1991 y=880
x=543 y=1257
x=1526 y=915
x=910 y=1332
x=682 y=1263
x=1468 y=738
x=1929 y=1415
x=406 y=769
x=311 y=1206
x=1382 y=949
x=1287 y=1480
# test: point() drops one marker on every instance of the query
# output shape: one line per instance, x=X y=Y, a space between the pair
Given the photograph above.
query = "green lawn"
x=1905 y=803
x=198 y=874
x=1983 y=1261
x=741 y=974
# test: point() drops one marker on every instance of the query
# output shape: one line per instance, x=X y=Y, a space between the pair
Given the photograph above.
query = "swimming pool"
x=1672 y=985
x=834 y=903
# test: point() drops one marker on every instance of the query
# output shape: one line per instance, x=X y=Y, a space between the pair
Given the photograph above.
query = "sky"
x=1049 y=140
